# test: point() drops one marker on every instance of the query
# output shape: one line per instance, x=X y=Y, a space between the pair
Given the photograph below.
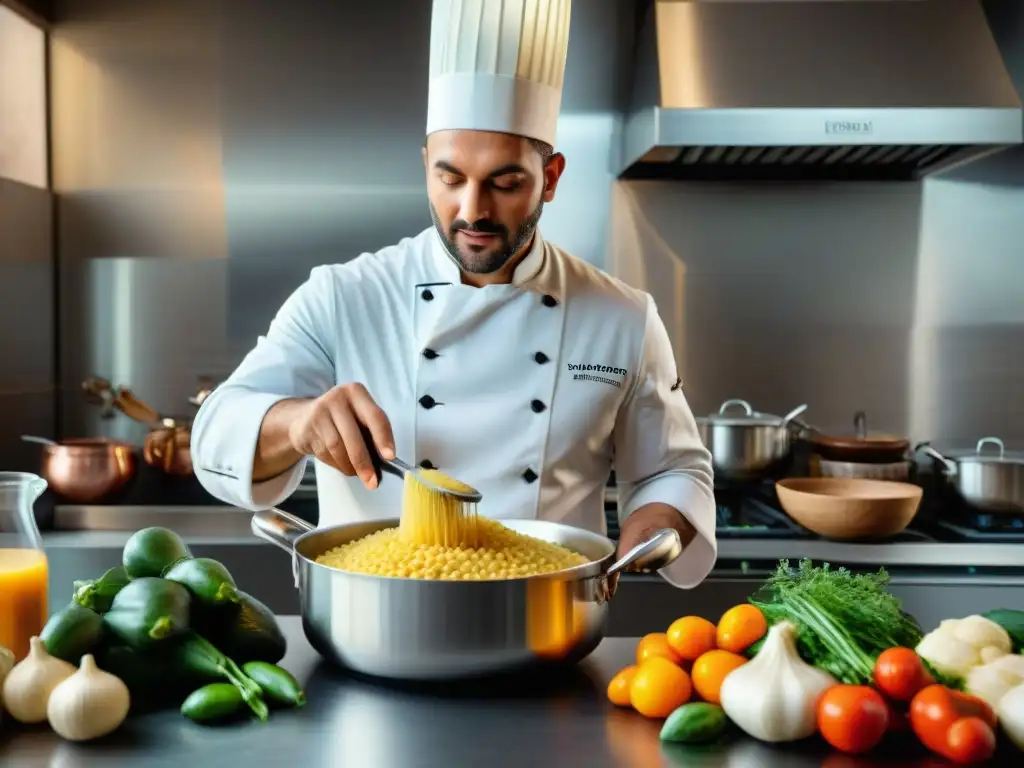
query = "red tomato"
x=970 y=740
x=900 y=674
x=935 y=710
x=853 y=718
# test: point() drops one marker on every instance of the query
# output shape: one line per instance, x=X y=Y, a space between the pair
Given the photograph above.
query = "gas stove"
x=752 y=511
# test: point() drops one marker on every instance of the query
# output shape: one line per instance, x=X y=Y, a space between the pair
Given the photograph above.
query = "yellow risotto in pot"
x=441 y=537
x=502 y=554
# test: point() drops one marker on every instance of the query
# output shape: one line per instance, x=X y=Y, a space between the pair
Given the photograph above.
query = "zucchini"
x=72 y=632
x=148 y=612
x=154 y=678
x=209 y=581
x=247 y=631
x=695 y=723
x=98 y=594
x=216 y=701
x=152 y=551
x=278 y=685
x=200 y=657
x=1013 y=622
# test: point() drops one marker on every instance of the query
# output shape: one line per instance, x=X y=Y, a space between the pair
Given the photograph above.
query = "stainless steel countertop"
x=562 y=722
x=109 y=526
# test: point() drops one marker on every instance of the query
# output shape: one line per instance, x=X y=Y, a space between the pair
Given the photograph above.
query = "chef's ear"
x=423 y=151
x=553 y=169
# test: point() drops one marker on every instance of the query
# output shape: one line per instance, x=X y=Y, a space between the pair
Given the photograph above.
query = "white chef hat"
x=498 y=65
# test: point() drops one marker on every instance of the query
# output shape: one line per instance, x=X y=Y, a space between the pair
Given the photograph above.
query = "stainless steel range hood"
x=881 y=89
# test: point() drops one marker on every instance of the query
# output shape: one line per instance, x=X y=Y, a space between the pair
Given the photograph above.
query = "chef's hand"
x=328 y=428
x=649 y=519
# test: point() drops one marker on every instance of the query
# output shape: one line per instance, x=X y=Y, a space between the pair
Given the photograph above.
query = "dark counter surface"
x=559 y=722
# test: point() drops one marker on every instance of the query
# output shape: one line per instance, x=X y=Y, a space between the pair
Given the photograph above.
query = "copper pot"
x=88 y=469
x=167 y=447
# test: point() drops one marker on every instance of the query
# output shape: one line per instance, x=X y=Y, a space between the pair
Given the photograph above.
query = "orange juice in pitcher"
x=24 y=574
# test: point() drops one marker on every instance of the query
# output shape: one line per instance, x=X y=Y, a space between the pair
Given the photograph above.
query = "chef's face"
x=487 y=191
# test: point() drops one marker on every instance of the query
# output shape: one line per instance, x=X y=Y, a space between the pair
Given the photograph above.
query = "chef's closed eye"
x=509 y=182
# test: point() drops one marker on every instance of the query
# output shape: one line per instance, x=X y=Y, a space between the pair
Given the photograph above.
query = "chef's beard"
x=490 y=259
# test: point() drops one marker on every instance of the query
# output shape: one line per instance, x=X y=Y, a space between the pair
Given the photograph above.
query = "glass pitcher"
x=24 y=573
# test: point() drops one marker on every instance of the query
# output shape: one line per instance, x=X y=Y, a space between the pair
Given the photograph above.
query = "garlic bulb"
x=6 y=665
x=89 y=704
x=774 y=696
x=28 y=686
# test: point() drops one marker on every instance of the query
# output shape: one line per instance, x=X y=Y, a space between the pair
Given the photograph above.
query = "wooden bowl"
x=849 y=508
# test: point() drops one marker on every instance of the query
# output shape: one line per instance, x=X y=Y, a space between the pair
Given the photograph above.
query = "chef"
x=475 y=347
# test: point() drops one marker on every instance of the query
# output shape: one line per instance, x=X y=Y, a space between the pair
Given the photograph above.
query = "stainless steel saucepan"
x=418 y=629
x=747 y=445
x=990 y=481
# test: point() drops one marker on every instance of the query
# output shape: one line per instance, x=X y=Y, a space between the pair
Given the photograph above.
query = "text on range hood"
x=855 y=89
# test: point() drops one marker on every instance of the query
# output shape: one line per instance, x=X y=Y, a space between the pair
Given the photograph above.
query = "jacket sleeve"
x=659 y=455
x=294 y=359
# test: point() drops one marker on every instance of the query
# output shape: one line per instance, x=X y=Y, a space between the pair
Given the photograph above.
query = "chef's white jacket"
x=526 y=391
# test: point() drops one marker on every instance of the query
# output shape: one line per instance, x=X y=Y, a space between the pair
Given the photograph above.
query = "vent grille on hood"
x=848 y=161
x=859 y=89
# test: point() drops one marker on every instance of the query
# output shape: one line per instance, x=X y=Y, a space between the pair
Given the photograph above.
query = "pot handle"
x=991 y=441
x=279 y=528
x=730 y=403
x=655 y=553
x=949 y=464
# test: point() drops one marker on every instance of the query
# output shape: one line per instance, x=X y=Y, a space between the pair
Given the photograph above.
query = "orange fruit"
x=659 y=688
x=655 y=645
x=740 y=627
x=711 y=669
x=618 y=688
x=691 y=637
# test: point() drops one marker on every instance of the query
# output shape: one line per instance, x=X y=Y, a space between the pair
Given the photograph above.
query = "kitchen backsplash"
x=205 y=159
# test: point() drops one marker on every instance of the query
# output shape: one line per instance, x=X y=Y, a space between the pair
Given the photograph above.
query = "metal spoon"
x=653 y=555
x=39 y=440
x=400 y=469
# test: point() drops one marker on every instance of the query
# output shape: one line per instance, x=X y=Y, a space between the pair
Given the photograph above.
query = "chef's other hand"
x=328 y=428
x=649 y=519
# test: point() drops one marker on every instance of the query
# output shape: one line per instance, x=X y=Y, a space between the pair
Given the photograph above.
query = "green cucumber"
x=152 y=551
x=695 y=723
x=209 y=581
x=1013 y=622
x=216 y=701
x=149 y=611
x=247 y=631
x=72 y=632
x=97 y=595
x=278 y=685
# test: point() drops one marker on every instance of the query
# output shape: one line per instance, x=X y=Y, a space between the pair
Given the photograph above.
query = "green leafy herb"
x=845 y=620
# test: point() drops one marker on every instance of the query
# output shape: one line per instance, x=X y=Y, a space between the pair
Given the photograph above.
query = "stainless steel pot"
x=437 y=630
x=993 y=482
x=747 y=445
